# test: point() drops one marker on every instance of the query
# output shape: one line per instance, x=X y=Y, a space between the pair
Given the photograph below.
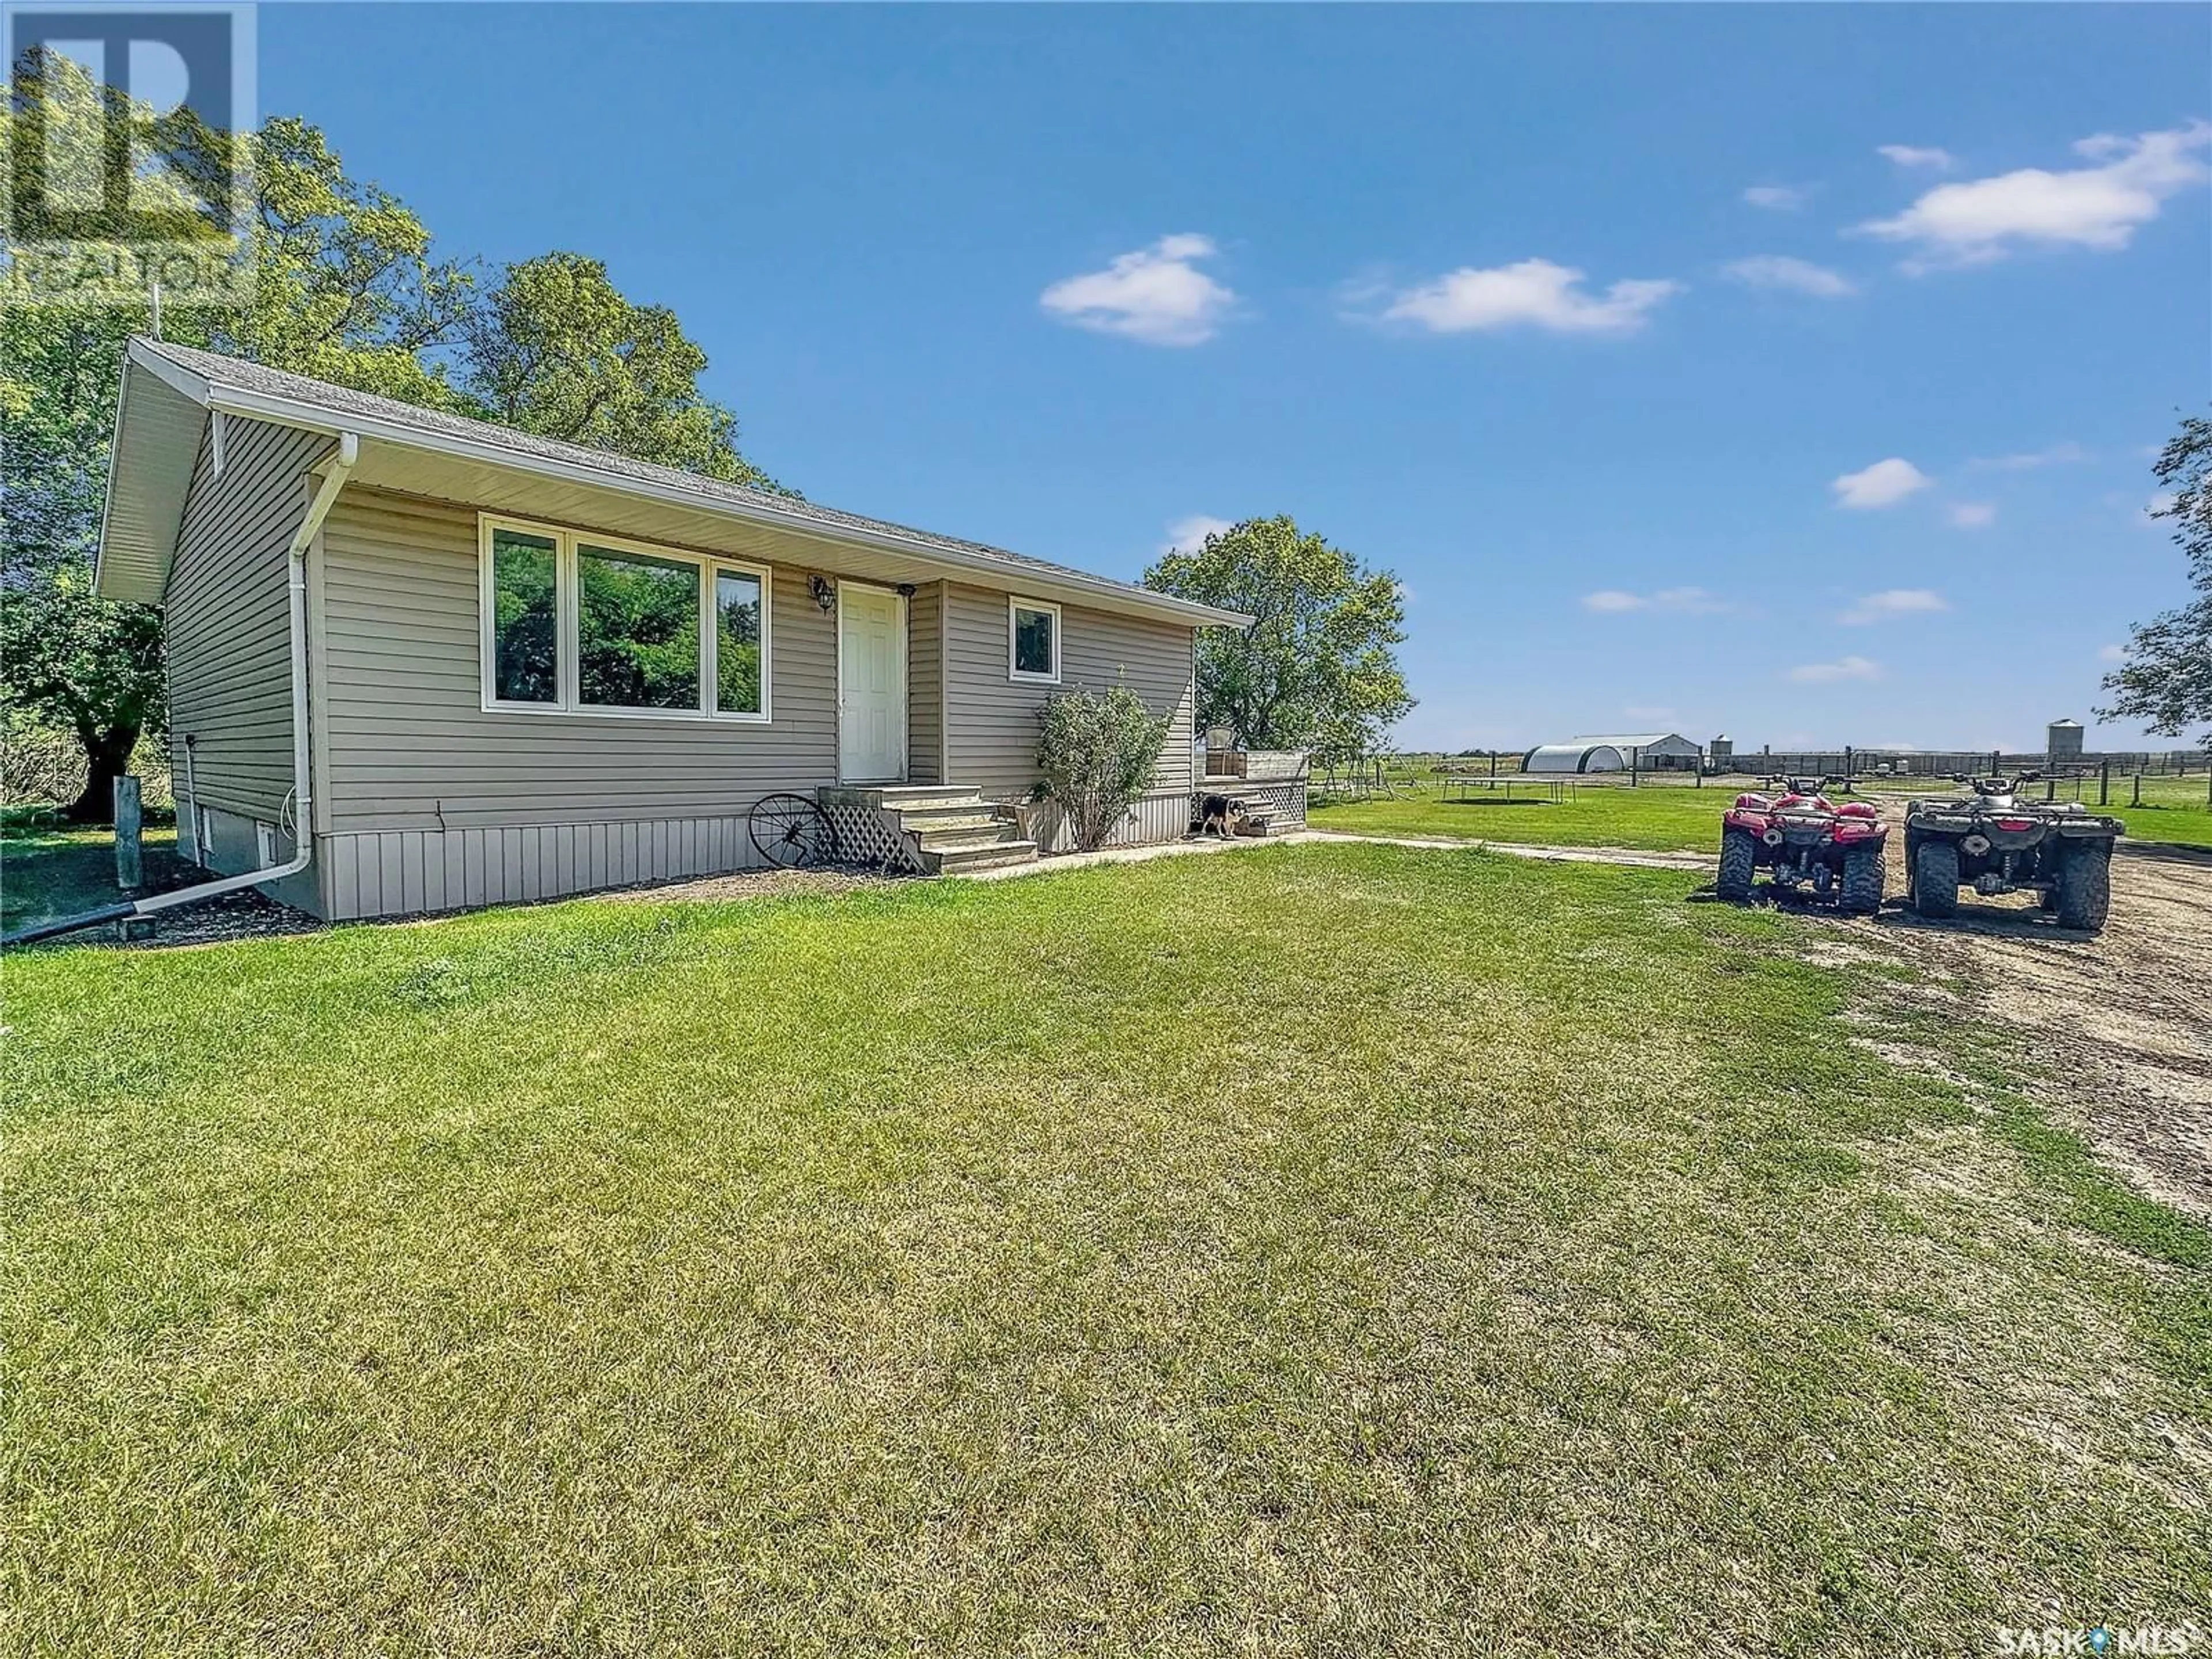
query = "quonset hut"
x=1647 y=752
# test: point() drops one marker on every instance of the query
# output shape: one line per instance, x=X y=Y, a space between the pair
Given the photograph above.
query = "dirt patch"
x=250 y=915
x=1628 y=855
x=2122 y=1020
x=240 y=916
x=1911 y=1057
x=247 y=914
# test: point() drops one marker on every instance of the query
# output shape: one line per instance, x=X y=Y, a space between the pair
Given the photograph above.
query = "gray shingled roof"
x=340 y=402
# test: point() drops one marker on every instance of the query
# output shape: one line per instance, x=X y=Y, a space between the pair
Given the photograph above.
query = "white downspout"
x=300 y=799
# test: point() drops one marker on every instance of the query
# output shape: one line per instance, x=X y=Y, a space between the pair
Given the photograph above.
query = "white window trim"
x=567 y=617
x=1015 y=604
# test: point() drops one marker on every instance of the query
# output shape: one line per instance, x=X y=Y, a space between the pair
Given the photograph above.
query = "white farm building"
x=1648 y=751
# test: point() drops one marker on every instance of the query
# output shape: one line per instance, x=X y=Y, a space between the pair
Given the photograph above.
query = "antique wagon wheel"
x=792 y=831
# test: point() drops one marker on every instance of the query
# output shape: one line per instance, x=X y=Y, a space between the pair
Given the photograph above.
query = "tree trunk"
x=107 y=757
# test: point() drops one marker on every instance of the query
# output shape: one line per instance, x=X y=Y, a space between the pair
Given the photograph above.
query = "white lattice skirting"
x=1284 y=800
x=870 y=836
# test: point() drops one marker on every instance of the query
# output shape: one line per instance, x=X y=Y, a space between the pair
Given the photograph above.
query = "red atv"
x=1801 y=837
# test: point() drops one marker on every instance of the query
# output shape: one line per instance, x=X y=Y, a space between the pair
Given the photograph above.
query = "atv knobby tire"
x=2085 y=886
x=1935 y=879
x=1738 y=853
x=1863 y=879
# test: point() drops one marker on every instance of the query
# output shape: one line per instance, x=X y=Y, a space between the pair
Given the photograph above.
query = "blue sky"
x=1823 y=444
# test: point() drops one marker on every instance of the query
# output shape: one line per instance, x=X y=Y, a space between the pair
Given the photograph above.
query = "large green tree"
x=558 y=350
x=345 y=288
x=2166 y=680
x=1317 y=668
x=69 y=660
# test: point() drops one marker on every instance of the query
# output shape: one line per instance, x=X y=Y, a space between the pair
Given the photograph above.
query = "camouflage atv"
x=1995 y=842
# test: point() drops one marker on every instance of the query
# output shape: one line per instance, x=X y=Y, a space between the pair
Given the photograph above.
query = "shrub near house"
x=1097 y=754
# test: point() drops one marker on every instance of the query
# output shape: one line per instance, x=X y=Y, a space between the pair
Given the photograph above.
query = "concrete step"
x=950 y=828
x=920 y=797
x=959 y=829
x=967 y=814
x=1000 y=834
x=989 y=856
x=899 y=797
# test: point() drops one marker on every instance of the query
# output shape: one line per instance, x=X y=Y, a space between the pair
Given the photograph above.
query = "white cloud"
x=1883 y=484
x=2112 y=653
x=1188 y=535
x=1535 y=293
x=1799 y=276
x=2095 y=207
x=1690 y=601
x=2057 y=454
x=1843 y=668
x=1157 y=294
x=1776 y=198
x=1915 y=156
x=1972 y=515
x=1894 y=602
x=2160 y=503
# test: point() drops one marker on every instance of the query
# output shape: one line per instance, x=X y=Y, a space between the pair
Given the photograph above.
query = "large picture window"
x=580 y=624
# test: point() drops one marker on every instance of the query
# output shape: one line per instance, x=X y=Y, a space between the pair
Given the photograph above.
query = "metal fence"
x=1981 y=762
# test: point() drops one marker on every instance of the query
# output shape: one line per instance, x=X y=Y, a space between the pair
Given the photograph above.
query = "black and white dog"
x=1220 y=815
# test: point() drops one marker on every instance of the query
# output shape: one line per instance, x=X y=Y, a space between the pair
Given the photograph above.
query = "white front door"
x=870 y=684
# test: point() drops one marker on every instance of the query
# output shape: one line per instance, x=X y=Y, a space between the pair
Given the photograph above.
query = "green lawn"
x=1326 y=1249
x=2174 y=809
x=1671 y=816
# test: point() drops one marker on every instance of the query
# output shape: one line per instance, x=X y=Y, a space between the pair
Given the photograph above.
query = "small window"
x=525 y=634
x=738 y=602
x=1033 y=639
x=637 y=631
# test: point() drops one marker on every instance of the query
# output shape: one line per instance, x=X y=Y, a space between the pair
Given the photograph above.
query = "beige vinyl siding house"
x=991 y=723
x=474 y=736
x=227 y=639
